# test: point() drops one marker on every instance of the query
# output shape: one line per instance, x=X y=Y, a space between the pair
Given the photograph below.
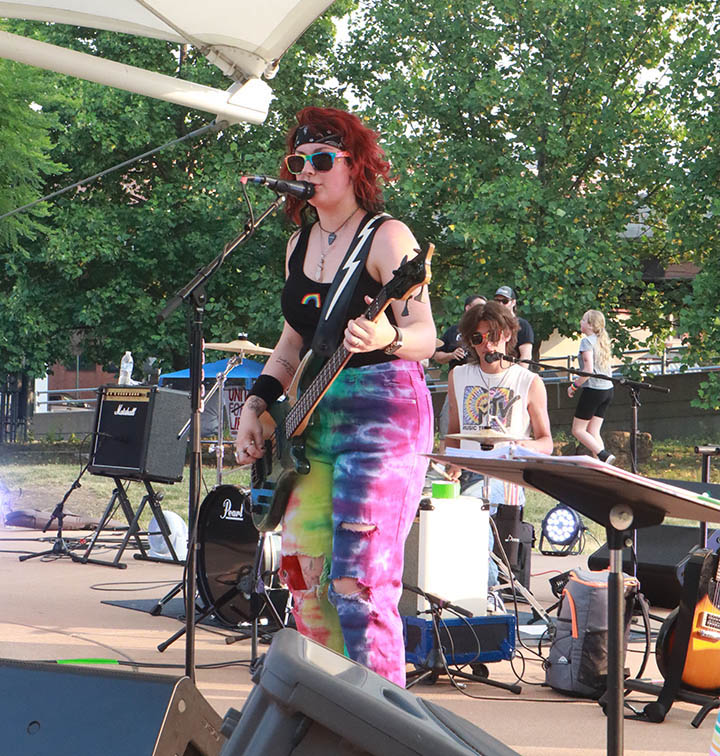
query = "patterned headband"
x=309 y=134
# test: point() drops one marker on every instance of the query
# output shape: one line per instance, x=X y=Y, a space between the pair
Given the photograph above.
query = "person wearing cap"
x=346 y=520
x=523 y=349
x=452 y=352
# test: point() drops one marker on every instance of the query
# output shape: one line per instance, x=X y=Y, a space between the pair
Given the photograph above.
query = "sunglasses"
x=477 y=338
x=320 y=161
x=502 y=300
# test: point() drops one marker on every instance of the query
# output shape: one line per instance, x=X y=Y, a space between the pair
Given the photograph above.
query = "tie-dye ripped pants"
x=346 y=522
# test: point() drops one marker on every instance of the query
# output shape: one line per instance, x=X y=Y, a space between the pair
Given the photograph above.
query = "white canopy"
x=244 y=38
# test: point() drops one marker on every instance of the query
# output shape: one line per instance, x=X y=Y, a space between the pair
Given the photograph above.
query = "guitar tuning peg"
x=405 y=311
x=418 y=298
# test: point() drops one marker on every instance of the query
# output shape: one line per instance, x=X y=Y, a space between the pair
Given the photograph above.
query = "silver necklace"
x=491 y=391
x=332 y=235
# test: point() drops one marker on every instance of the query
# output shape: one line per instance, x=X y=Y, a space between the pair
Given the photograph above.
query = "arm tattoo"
x=289 y=367
x=256 y=404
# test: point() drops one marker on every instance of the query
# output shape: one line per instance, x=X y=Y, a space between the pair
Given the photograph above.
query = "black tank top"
x=302 y=300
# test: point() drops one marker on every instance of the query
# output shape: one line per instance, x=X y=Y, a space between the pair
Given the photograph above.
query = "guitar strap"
x=333 y=317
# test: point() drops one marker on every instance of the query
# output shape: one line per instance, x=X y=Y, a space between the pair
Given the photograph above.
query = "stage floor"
x=54 y=608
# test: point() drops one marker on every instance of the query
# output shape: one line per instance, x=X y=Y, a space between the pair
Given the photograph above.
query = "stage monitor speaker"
x=659 y=550
x=68 y=710
x=136 y=429
x=310 y=701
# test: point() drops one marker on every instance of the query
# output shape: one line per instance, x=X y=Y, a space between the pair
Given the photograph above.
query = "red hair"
x=367 y=160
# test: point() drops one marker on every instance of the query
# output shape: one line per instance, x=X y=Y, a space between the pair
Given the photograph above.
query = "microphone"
x=299 y=189
x=494 y=356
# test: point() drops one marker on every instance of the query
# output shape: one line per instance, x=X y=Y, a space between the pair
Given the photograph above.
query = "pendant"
x=331 y=237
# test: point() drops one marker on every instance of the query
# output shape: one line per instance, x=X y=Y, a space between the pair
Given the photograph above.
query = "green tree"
x=115 y=250
x=25 y=161
x=525 y=137
x=692 y=98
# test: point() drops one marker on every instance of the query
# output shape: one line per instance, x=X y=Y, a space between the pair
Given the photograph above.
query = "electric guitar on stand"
x=274 y=475
x=701 y=670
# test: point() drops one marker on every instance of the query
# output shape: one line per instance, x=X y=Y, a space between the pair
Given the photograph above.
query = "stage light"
x=563 y=531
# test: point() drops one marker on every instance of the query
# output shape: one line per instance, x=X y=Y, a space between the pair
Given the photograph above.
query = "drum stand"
x=250 y=583
x=253 y=584
x=219 y=385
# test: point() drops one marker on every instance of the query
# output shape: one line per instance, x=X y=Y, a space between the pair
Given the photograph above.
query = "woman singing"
x=345 y=525
x=594 y=357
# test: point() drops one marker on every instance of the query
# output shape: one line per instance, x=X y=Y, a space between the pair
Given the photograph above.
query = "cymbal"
x=239 y=345
x=486 y=438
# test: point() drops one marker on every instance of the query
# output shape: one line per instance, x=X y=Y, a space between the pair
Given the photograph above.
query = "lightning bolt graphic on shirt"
x=351 y=263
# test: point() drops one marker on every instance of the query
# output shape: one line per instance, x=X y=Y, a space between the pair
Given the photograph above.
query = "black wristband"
x=268 y=388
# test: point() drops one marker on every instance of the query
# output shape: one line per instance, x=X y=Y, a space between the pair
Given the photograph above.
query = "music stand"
x=616 y=499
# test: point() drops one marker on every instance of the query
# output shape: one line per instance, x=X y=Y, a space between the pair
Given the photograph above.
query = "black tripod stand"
x=437 y=663
x=250 y=584
x=60 y=546
x=194 y=293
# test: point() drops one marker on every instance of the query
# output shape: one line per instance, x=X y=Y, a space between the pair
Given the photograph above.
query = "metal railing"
x=65 y=401
x=649 y=362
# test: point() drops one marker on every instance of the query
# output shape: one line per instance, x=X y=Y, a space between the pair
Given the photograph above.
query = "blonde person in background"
x=594 y=356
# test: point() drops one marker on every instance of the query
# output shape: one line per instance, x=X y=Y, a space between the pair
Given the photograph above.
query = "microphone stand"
x=633 y=387
x=194 y=292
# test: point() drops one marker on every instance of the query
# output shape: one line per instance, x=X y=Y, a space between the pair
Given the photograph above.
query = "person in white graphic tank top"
x=496 y=396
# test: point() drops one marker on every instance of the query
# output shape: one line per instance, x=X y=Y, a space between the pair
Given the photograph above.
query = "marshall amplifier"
x=136 y=430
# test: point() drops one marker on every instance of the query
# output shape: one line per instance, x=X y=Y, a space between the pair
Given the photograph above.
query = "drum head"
x=227 y=545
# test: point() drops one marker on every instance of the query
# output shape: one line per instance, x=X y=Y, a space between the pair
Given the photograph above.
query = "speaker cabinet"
x=310 y=701
x=517 y=539
x=659 y=550
x=136 y=430
x=66 y=711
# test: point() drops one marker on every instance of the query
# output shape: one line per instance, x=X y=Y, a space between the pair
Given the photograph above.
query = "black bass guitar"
x=274 y=475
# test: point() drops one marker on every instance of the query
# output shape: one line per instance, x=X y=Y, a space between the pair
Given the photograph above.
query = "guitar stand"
x=437 y=663
x=249 y=582
x=672 y=690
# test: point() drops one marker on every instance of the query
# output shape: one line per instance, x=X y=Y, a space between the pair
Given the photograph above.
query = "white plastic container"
x=453 y=551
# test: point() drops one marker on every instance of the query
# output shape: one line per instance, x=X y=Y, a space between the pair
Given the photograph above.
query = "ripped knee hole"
x=347 y=586
x=358 y=527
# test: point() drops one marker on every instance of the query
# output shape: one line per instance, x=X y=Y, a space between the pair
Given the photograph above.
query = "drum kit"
x=229 y=545
x=237 y=566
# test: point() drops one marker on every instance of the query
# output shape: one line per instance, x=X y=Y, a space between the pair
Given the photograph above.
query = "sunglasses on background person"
x=502 y=300
x=320 y=161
